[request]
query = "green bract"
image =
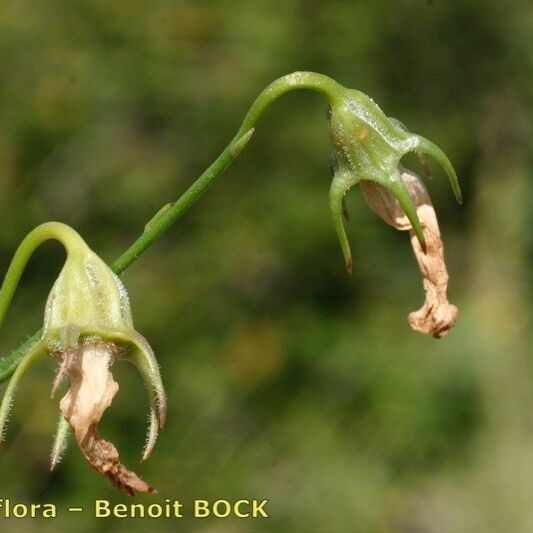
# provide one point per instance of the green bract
(87, 304)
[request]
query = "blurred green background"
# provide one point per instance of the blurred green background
(286, 379)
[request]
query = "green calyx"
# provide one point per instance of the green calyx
(369, 146)
(86, 297)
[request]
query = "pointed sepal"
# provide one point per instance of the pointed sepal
(397, 187)
(34, 353)
(427, 147)
(60, 442)
(142, 356)
(342, 181)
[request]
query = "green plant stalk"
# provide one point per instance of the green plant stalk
(170, 213)
(167, 215)
(51, 230)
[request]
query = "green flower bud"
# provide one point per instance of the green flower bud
(87, 326)
(369, 146)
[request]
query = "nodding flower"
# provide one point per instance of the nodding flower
(87, 327)
(368, 147)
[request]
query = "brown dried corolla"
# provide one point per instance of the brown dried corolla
(437, 315)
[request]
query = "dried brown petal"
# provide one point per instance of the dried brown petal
(91, 392)
(67, 359)
(437, 315)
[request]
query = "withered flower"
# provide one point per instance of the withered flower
(368, 147)
(87, 327)
(437, 315)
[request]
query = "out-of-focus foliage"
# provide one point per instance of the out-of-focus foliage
(286, 379)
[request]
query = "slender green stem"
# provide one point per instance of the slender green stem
(9, 364)
(166, 216)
